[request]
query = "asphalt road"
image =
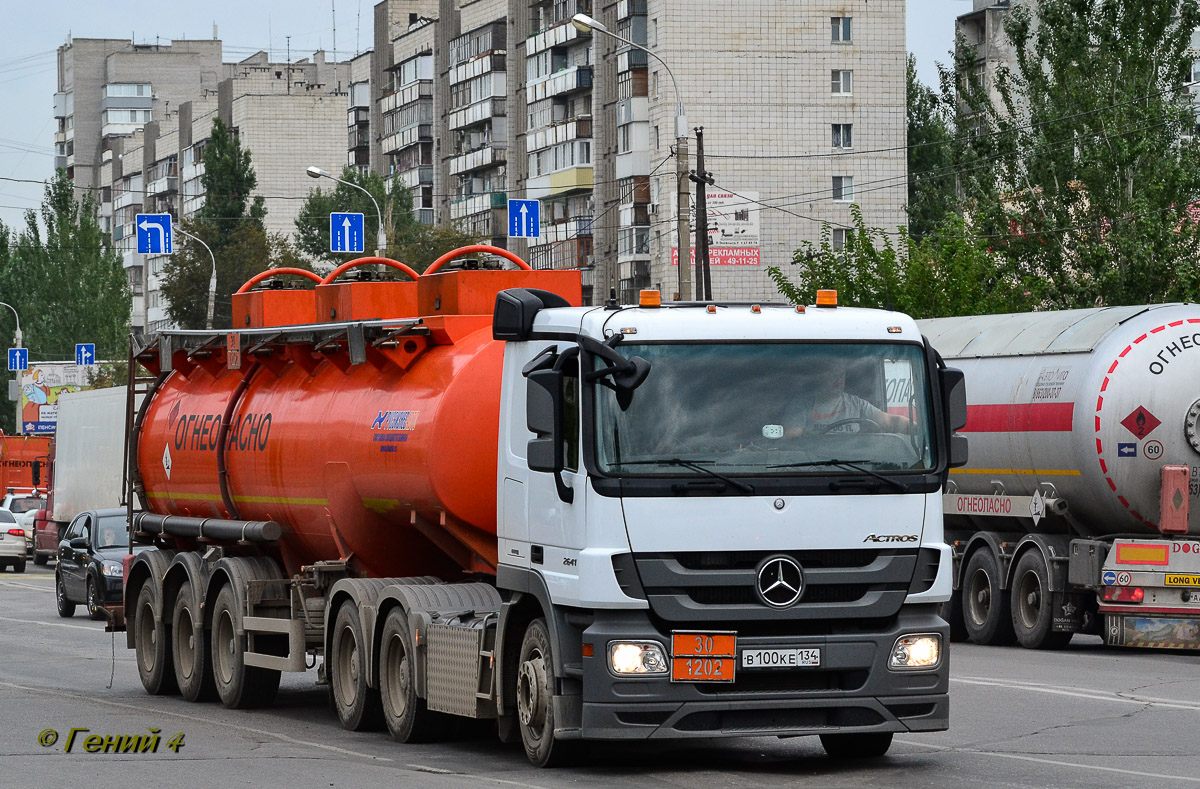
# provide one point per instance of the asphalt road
(1087, 716)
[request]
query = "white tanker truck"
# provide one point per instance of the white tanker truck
(1077, 510)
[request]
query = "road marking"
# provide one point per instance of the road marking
(50, 624)
(1081, 693)
(1056, 762)
(23, 585)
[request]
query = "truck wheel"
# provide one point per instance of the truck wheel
(1033, 604)
(867, 745)
(65, 607)
(358, 705)
(407, 716)
(189, 649)
(152, 645)
(239, 686)
(19, 565)
(40, 559)
(952, 612)
(985, 605)
(535, 700)
(94, 606)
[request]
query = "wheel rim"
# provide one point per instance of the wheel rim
(146, 637)
(533, 692)
(58, 591)
(396, 691)
(93, 600)
(185, 643)
(347, 666)
(223, 647)
(979, 597)
(1029, 599)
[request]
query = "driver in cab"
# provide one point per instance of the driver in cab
(826, 406)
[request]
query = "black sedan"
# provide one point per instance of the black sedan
(90, 562)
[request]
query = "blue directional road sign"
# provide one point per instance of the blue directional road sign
(153, 234)
(346, 233)
(524, 219)
(85, 353)
(18, 359)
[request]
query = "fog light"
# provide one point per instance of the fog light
(916, 651)
(637, 657)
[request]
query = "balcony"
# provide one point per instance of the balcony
(415, 91)
(415, 177)
(575, 227)
(477, 68)
(628, 8)
(571, 254)
(551, 37)
(166, 185)
(565, 81)
(477, 204)
(580, 128)
(476, 113)
(484, 157)
(572, 179)
(410, 136)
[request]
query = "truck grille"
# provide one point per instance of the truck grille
(709, 586)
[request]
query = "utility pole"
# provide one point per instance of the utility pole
(703, 180)
(685, 248)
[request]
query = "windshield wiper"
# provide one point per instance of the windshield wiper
(694, 465)
(850, 464)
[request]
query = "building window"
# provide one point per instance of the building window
(843, 135)
(839, 239)
(841, 29)
(842, 81)
(843, 188)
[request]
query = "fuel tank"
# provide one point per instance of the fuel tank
(1087, 405)
(379, 450)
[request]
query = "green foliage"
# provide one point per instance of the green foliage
(65, 284)
(231, 223)
(948, 273)
(1092, 177)
(931, 185)
(409, 241)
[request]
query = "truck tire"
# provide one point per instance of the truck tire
(40, 559)
(952, 612)
(239, 686)
(152, 645)
(19, 565)
(865, 745)
(189, 648)
(357, 703)
(535, 700)
(94, 606)
(985, 605)
(407, 716)
(65, 607)
(1032, 604)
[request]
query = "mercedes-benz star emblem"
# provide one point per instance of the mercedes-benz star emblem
(780, 581)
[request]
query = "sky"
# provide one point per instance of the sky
(32, 32)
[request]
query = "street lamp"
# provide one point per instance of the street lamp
(381, 236)
(16, 373)
(585, 24)
(212, 280)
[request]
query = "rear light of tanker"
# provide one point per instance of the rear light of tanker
(1124, 594)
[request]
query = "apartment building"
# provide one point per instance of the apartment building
(802, 105)
(134, 121)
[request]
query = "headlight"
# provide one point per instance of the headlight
(637, 657)
(112, 570)
(916, 652)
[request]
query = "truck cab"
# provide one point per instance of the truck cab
(734, 511)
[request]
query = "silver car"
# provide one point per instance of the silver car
(12, 542)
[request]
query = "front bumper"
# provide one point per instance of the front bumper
(852, 691)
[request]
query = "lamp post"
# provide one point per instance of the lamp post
(380, 236)
(212, 280)
(16, 373)
(586, 24)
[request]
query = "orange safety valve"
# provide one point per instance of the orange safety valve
(650, 298)
(826, 298)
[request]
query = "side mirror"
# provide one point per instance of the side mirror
(79, 543)
(958, 451)
(954, 398)
(37, 473)
(543, 416)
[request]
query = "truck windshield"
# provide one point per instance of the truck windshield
(769, 409)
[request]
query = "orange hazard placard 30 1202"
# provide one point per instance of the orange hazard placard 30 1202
(703, 657)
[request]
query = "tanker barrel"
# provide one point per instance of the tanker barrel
(208, 528)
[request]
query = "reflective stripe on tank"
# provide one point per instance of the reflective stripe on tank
(244, 499)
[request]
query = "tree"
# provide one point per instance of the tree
(1095, 166)
(947, 273)
(65, 284)
(409, 241)
(231, 223)
(931, 184)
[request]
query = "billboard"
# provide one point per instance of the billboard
(41, 386)
(733, 229)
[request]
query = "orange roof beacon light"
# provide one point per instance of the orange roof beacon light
(826, 298)
(650, 298)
